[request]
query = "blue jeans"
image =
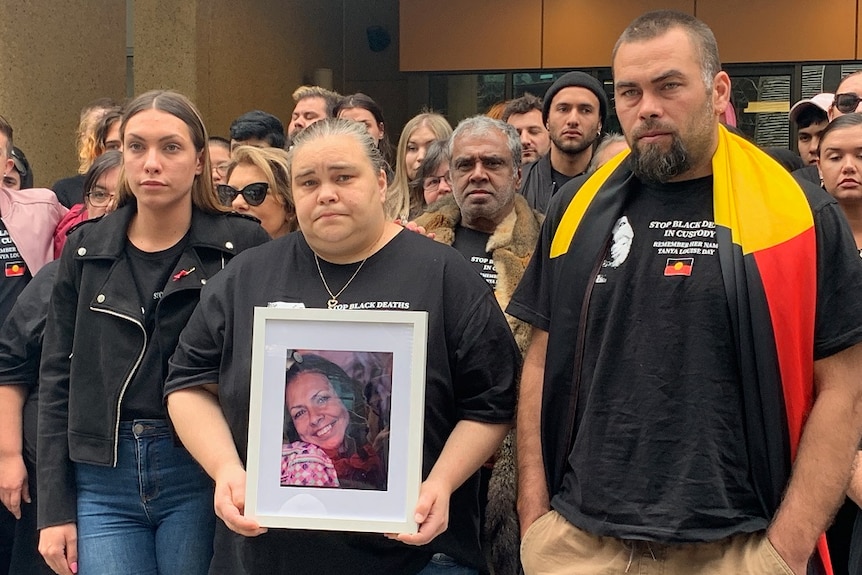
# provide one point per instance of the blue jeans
(442, 564)
(151, 514)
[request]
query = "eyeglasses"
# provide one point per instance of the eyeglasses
(99, 199)
(254, 194)
(433, 182)
(846, 103)
(221, 169)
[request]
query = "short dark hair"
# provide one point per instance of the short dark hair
(107, 161)
(522, 105)
(6, 130)
(658, 22)
(259, 125)
(810, 115)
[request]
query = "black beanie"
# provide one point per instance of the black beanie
(578, 80)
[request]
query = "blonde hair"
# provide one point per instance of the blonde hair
(331, 98)
(273, 162)
(400, 202)
(86, 138)
(179, 106)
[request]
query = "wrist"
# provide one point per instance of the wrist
(789, 552)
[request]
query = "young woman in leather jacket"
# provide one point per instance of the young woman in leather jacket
(119, 495)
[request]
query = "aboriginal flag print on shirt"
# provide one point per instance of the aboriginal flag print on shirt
(15, 269)
(678, 266)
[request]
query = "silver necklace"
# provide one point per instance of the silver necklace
(333, 298)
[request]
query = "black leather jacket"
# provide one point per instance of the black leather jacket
(95, 340)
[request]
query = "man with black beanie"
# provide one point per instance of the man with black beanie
(574, 111)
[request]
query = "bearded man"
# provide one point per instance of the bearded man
(690, 400)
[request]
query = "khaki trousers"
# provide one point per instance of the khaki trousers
(553, 546)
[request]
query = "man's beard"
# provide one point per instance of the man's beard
(573, 148)
(651, 163)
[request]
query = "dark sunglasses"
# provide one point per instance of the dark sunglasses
(254, 194)
(846, 103)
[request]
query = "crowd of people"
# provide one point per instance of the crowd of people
(643, 349)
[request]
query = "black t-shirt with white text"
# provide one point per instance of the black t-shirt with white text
(657, 410)
(659, 342)
(471, 367)
(471, 244)
(15, 273)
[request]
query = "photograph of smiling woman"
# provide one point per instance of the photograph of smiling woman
(327, 438)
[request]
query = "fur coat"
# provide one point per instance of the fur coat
(511, 246)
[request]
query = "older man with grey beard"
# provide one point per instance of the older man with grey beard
(496, 231)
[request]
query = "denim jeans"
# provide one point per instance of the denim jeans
(152, 514)
(442, 564)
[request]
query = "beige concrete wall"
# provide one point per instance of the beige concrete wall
(255, 57)
(376, 73)
(165, 45)
(55, 57)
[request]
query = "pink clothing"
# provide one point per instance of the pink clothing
(306, 465)
(31, 216)
(75, 216)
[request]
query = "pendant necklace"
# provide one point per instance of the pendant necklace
(333, 298)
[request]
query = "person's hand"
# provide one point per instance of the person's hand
(13, 483)
(230, 502)
(531, 508)
(432, 515)
(59, 546)
(413, 227)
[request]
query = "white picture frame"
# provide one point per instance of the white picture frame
(280, 337)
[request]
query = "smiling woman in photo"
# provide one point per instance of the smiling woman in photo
(326, 421)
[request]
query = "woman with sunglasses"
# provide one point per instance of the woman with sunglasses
(257, 185)
(847, 97)
(117, 493)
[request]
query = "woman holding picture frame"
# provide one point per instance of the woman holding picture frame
(349, 255)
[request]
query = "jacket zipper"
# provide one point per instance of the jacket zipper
(129, 377)
(579, 350)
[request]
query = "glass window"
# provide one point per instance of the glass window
(459, 96)
(819, 78)
(536, 83)
(761, 96)
(761, 103)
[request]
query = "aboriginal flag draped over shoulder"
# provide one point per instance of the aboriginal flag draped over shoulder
(768, 258)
